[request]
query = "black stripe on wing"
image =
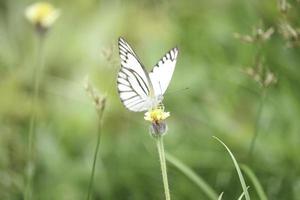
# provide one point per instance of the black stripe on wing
(126, 53)
(132, 99)
(133, 81)
(170, 55)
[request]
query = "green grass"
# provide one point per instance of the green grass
(221, 100)
(239, 172)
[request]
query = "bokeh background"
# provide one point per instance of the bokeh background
(221, 99)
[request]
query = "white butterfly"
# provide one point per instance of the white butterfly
(139, 90)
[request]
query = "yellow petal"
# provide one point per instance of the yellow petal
(42, 13)
(156, 115)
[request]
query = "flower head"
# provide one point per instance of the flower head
(156, 115)
(157, 118)
(42, 15)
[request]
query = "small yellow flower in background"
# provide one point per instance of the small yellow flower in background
(42, 15)
(156, 115)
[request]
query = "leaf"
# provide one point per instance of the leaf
(198, 180)
(259, 189)
(242, 195)
(242, 180)
(221, 195)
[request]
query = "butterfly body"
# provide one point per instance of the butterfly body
(139, 90)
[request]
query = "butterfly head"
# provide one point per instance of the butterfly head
(156, 102)
(160, 98)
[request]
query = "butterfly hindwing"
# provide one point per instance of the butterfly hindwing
(132, 82)
(162, 72)
(138, 90)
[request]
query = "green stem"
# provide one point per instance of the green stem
(100, 114)
(256, 126)
(236, 165)
(259, 189)
(188, 172)
(162, 159)
(32, 127)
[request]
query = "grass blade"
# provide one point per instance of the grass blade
(259, 189)
(242, 180)
(192, 176)
(242, 195)
(221, 195)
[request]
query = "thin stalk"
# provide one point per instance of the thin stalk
(99, 131)
(188, 172)
(162, 159)
(259, 189)
(236, 165)
(257, 120)
(32, 127)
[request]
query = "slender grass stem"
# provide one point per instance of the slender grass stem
(32, 127)
(162, 159)
(257, 121)
(236, 165)
(188, 172)
(258, 187)
(99, 133)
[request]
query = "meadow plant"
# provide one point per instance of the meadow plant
(142, 91)
(258, 72)
(42, 16)
(239, 172)
(286, 27)
(100, 103)
(259, 189)
(108, 53)
(195, 178)
(158, 129)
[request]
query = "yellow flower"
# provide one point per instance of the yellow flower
(42, 14)
(156, 115)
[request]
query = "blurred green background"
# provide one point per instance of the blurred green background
(221, 100)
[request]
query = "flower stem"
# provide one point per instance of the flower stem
(195, 178)
(32, 127)
(256, 126)
(100, 115)
(162, 159)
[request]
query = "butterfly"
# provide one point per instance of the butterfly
(139, 90)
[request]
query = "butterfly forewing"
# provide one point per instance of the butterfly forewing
(138, 90)
(133, 82)
(162, 72)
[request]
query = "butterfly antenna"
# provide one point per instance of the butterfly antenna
(179, 90)
(160, 87)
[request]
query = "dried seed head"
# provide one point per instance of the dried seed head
(260, 74)
(270, 79)
(290, 34)
(243, 38)
(108, 54)
(98, 100)
(258, 35)
(283, 6)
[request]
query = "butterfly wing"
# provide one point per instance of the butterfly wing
(133, 82)
(162, 72)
